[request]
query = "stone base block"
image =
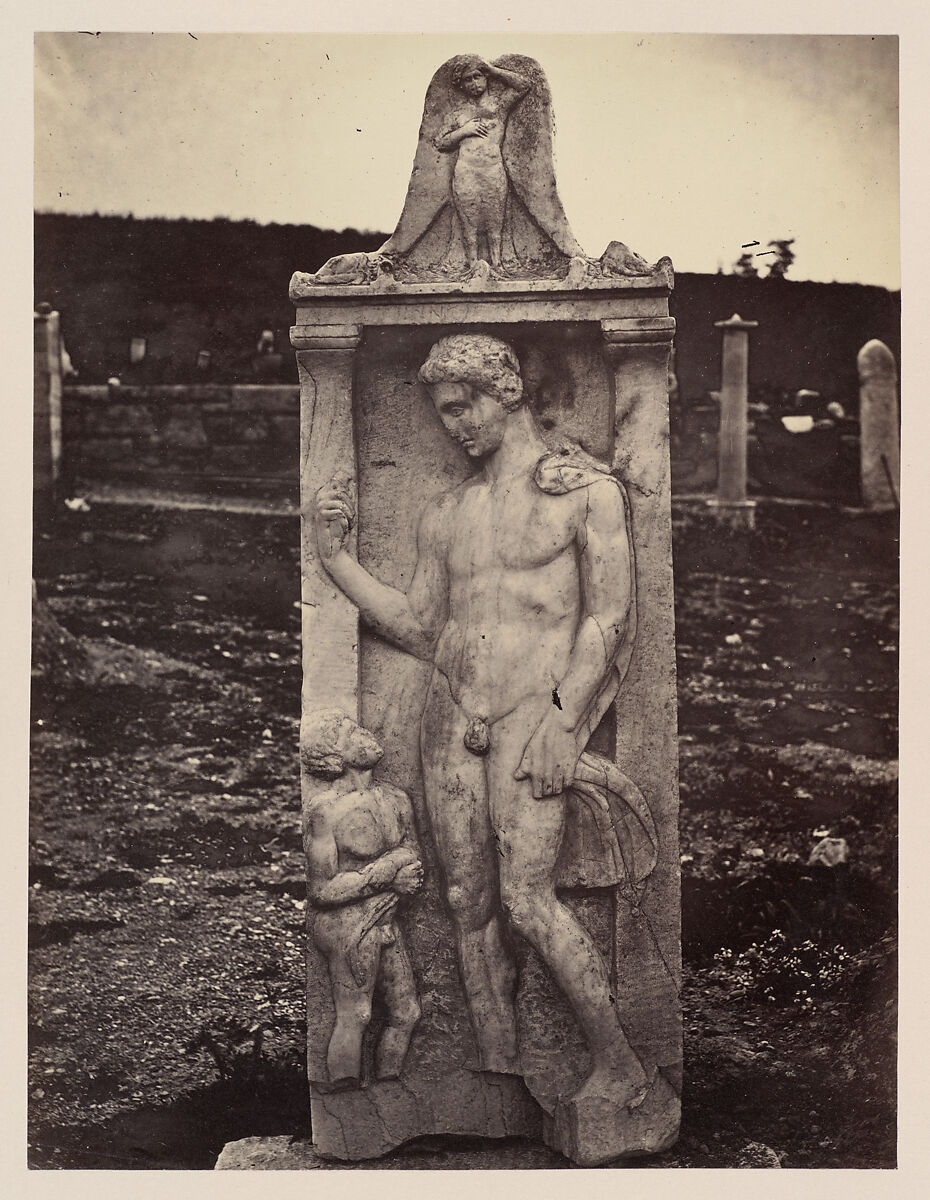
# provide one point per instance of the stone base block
(428, 1154)
(597, 1130)
(269, 1154)
(738, 514)
(369, 1122)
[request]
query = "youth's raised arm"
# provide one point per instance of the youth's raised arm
(428, 593)
(388, 611)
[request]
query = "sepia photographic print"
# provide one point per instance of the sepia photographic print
(464, 701)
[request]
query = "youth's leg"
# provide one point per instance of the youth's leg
(455, 789)
(530, 834)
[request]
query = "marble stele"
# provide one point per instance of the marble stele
(488, 738)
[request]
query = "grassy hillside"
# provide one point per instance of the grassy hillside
(183, 285)
(215, 285)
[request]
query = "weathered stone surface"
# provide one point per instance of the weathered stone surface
(879, 434)
(252, 398)
(757, 1154)
(281, 1153)
(363, 860)
(495, 508)
(285, 1153)
(183, 438)
(252, 428)
(468, 301)
(483, 182)
(618, 259)
(47, 385)
(597, 1130)
(370, 1122)
(116, 420)
(111, 450)
(183, 430)
(72, 421)
(482, 204)
(571, 387)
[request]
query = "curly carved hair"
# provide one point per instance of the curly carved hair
(479, 360)
(464, 62)
(318, 743)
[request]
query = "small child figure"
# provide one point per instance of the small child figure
(363, 856)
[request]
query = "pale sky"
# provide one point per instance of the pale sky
(688, 145)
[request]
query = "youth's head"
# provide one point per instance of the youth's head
(332, 742)
(468, 75)
(474, 381)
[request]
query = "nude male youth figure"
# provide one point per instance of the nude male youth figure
(519, 595)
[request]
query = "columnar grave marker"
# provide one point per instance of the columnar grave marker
(731, 503)
(488, 737)
(47, 373)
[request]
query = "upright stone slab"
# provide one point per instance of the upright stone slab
(879, 430)
(488, 742)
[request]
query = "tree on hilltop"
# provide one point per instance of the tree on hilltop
(780, 257)
(784, 257)
(745, 267)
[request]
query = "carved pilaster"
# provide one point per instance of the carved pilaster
(326, 362)
(637, 352)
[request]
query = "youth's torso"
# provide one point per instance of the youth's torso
(514, 594)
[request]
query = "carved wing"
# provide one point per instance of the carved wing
(430, 187)
(528, 156)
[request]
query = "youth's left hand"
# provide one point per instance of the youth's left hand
(550, 758)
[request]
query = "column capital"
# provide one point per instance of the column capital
(326, 337)
(627, 331)
(736, 322)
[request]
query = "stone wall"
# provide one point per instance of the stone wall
(820, 465)
(215, 438)
(243, 440)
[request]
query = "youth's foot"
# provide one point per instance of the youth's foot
(601, 1123)
(618, 1076)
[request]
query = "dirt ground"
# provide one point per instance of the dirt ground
(167, 882)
